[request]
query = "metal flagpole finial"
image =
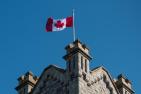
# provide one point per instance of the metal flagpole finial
(73, 26)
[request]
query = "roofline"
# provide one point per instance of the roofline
(101, 67)
(54, 66)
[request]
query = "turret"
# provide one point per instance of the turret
(124, 85)
(77, 58)
(26, 83)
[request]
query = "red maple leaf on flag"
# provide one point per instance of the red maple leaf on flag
(59, 24)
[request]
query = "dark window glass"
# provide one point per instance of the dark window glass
(74, 62)
(69, 66)
(81, 62)
(85, 65)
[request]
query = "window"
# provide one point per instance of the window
(81, 62)
(69, 66)
(74, 62)
(85, 65)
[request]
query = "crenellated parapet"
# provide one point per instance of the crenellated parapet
(124, 85)
(26, 83)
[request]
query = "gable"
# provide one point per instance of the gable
(105, 83)
(51, 74)
(53, 80)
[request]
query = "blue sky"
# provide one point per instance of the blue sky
(110, 28)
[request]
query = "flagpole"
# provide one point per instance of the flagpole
(73, 26)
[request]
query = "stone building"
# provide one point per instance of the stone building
(77, 78)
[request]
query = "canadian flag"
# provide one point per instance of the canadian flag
(58, 24)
